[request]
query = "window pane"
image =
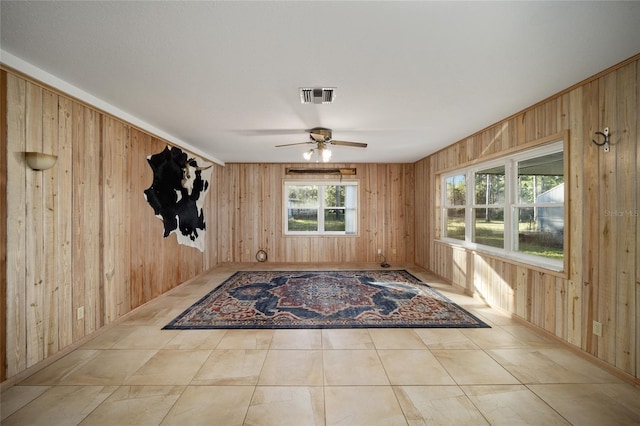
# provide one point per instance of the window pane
(489, 185)
(541, 231)
(303, 196)
(488, 227)
(455, 187)
(334, 220)
(302, 210)
(455, 223)
(351, 212)
(334, 196)
(540, 175)
(303, 220)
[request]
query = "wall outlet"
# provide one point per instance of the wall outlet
(597, 328)
(379, 252)
(80, 313)
(393, 251)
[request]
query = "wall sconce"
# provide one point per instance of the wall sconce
(605, 134)
(40, 160)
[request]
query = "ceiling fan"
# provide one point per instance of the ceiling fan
(322, 137)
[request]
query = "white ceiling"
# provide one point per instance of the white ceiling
(411, 77)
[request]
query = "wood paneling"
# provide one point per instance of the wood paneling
(64, 253)
(34, 231)
(250, 215)
(603, 278)
(637, 262)
(79, 236)
(49, 235)
(116, 226)
(3, 225)
(16, 216)
(85, 217)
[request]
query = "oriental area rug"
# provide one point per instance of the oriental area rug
(324, 299)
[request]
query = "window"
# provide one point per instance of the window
(513, 206)
(455, 201)
(539, 210)
(488, 207)
(326, 208)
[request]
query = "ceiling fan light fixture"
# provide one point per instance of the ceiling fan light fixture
(326, 155)
(307, 154)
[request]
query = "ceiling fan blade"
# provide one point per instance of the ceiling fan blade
(345, 143)
(291, 144)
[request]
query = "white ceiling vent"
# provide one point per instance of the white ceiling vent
(317, 95)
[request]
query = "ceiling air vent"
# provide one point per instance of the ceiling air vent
(317, 95)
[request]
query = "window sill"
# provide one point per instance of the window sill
(553, 268)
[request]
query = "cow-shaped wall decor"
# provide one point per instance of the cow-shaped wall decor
(177, 193)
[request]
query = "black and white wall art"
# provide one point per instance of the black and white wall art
(180, 184)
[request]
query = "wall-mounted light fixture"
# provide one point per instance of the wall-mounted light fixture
(605, 134)
(40, 160)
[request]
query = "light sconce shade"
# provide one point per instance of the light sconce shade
(326, 155)
(40, 160)
(323, 153)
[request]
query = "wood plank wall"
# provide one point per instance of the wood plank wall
(3, 225)
(603, 280)
(250, 215)
(79, 235)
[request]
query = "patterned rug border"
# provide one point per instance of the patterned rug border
(221, 288)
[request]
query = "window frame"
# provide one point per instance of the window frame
(446, 205)
(510, 205)
(321, 207)
(472, 203)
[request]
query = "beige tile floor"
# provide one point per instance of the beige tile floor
(135, 373)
